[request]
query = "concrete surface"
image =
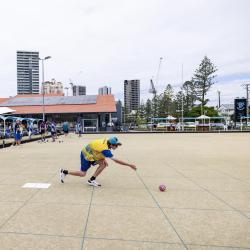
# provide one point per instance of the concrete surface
(206, 204)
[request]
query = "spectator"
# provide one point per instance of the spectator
(7, 132)
(21, 130)
(225, 126)
(30, 129)
(178, 126)
(42, 131)
(79, 129)
(53, 131)
(65, 128)
(48, 125)
(17, 133)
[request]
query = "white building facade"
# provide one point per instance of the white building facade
(52, 87)
(226, 110)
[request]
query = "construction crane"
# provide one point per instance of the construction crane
(153, 90)
(158, 71)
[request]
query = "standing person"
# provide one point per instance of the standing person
(79, 129)
(42, 131)
(48, 126)
(53, 131)
(21, 130)
(7, 131)
(30, 129)
(76, 129)
(94, 154)
(17, 133)
(65, 128)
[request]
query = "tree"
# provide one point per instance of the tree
(165, 106)
(162, 105)
(148, 109)
(168, 98)
(209, 111)
(178, 104)
(203, 79)
(189, 98)
(141, 115)
(155, 106)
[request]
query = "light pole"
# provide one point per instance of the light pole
(182, 101)
(247, 85)
(218, 98)
(42, 59)
(182, 110)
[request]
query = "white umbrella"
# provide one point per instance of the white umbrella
(203, 117)
(5, 110)
(171, 118)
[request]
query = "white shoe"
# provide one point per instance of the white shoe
(96, 183)
(93, 183)
(62, 175)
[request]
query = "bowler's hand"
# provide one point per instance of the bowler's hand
(133, 167)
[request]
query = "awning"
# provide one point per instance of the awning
(5, 110)
(203, 117)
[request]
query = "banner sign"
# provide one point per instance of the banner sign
(240, 108)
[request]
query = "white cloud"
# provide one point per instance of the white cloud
(110, 41)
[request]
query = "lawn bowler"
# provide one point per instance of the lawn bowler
(95, 153)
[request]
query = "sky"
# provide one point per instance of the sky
(97, 43)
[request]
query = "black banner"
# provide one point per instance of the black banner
(240, 108)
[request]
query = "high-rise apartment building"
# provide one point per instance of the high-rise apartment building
(131, 95)
(52, 87)
(79, 90)
(27, 72)
(104, 91)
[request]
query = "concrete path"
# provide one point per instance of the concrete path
(206, 204)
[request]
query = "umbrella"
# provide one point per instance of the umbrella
(5, 110)
(203, 117)
(171, 118)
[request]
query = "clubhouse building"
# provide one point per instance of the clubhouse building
(95, 112)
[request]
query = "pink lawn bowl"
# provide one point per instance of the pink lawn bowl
(162, 188)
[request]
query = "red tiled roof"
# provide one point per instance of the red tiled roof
(3, 99)
(104, 103)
